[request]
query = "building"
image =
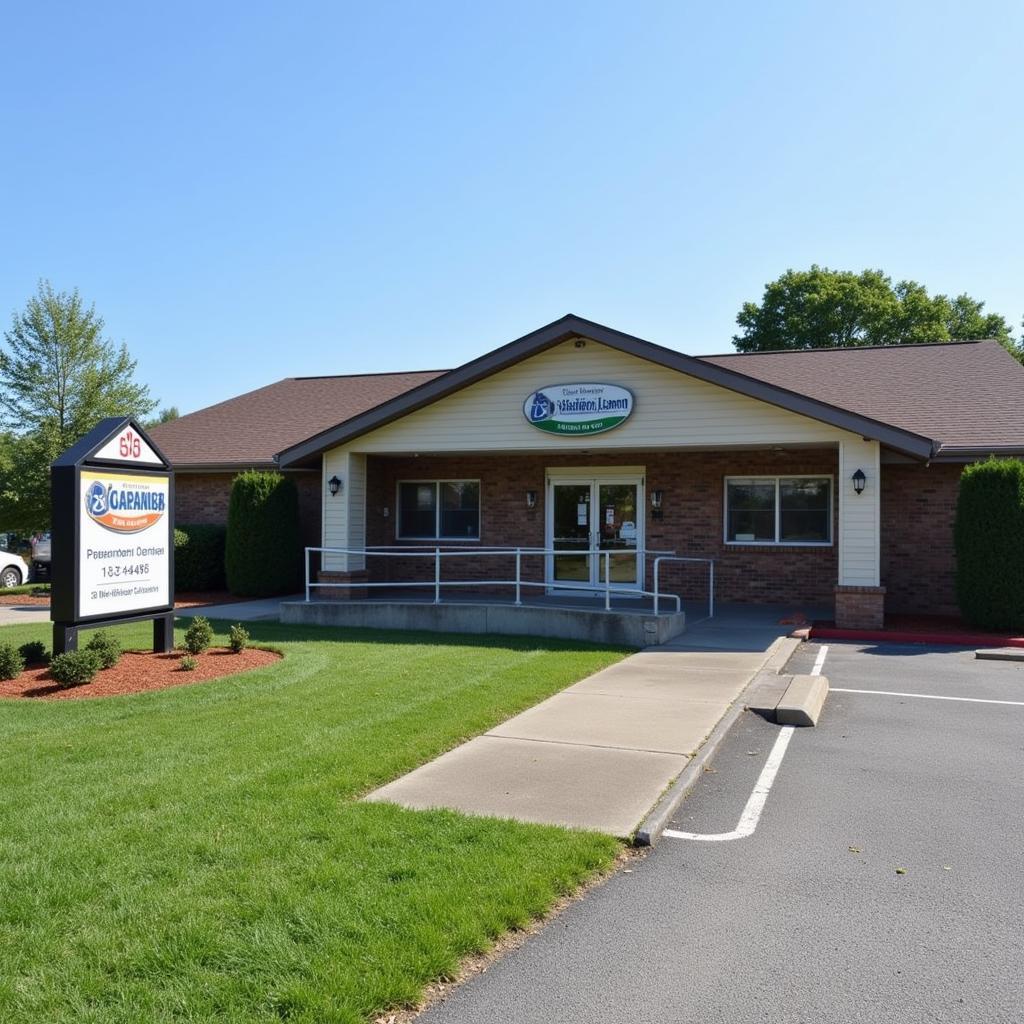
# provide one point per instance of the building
(813, 477)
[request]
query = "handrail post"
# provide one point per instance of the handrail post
(307, 575)
(656, 567)
(437, 575)
(607, 582)
(519, 585)
(711, 588)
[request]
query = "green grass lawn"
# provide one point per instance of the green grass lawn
(198, 854)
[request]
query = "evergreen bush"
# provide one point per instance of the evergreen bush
(263, 556)
(34, 652)
(11, 662)
(238, 638)
(989, 538)
(198, 636)
(106, 646)
(75, 668)
(199, 557)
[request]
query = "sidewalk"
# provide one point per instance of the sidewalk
(597, 755)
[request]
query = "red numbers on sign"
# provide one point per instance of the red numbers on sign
(131, 446)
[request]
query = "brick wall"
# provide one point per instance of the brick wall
(917, 560)
(692, 522)
(204, 497)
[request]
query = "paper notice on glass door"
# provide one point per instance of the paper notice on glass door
(581, 514)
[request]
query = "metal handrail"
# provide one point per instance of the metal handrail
(438, 553)
(680, 558)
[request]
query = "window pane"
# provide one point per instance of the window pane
(805, 509)
(460, 509)
(750, 514)
(417, 510)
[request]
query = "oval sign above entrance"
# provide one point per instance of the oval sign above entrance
(578, 409)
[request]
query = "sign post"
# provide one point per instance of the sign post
(112, 558)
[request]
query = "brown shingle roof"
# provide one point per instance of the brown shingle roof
(963, 395)
(967, 394)
(250, 429)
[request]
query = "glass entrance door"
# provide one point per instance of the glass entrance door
(595, 514)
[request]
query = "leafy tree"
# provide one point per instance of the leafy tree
(823, 308)
(165, 415)
(58, 378)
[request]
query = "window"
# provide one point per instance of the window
(778, 510)
(439, 510)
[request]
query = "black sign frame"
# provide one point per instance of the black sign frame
(66, 537)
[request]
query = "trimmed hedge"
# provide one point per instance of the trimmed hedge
(989, 538)
(263, 556)
(199, 557)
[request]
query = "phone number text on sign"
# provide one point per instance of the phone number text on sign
(125, 543)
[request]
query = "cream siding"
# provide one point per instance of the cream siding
(859, 514)
(345, 513)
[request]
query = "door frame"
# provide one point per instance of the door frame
(594, 477)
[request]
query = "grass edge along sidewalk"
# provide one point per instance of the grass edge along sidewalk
(199, 852)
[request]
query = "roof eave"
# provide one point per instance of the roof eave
(974, 452)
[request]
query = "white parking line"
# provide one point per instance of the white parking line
(819, 661)
(929, 696)
(755, 805)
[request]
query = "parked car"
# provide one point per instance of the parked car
(41, 556)
(13, 569)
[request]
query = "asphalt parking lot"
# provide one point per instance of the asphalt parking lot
(884, 881)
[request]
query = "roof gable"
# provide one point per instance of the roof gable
(570, 327)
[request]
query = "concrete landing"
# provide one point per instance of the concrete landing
(618, 626)
(597, 755)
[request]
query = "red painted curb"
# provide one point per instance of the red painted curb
(895, 636)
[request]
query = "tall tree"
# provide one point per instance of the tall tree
(58, 378)
(165, 415)
(823, 308)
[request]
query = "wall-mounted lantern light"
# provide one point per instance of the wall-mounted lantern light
(531, 499)
(656, 498)
(859, 481)
(334, 485)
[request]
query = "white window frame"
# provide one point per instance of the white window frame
(777, 478)
(437, 508)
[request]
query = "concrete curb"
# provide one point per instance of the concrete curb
(999, 654)
(658, 818)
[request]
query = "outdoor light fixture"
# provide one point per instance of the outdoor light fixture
(531, 499)
(859, 480)
(656, 497)
(335, 485)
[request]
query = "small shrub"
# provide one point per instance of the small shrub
(75, 668)
(34, 653)
(11, 662)
(199, 557)
(106, 646)
(199, 635)
(238, 639)
(188, 663)
(263, 556)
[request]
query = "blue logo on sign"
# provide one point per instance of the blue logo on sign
(541, 407)
(96, 503)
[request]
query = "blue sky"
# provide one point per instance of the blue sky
(252, 191)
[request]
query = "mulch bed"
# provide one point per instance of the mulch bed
(138, 671)
(24, 599)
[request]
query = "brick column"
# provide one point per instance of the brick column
(860, 607)
(341, 593)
